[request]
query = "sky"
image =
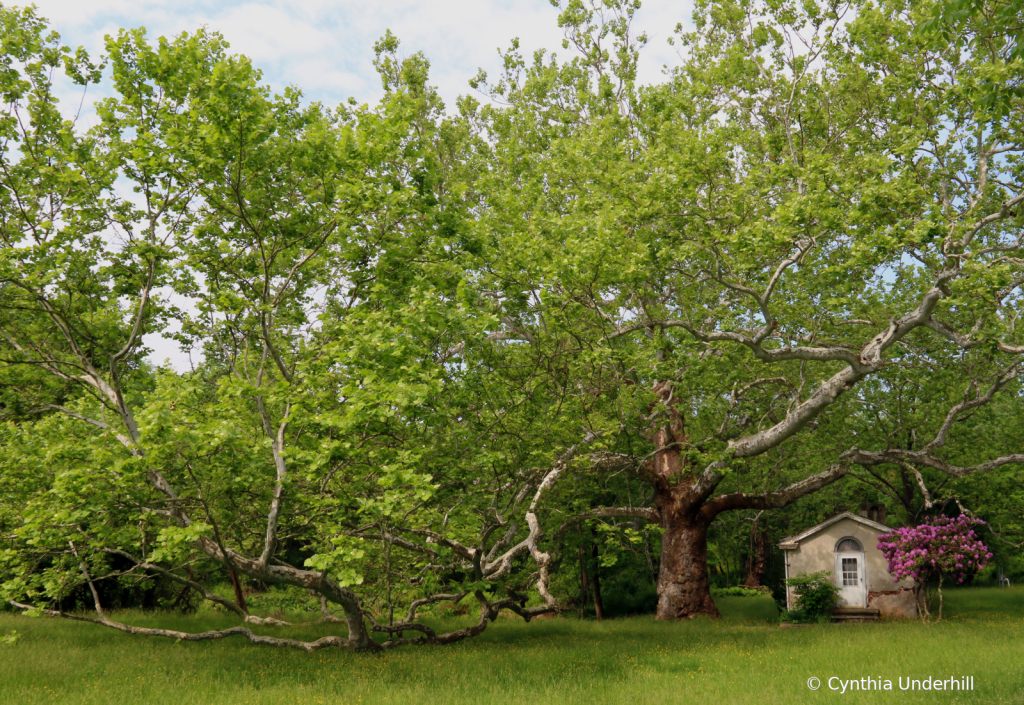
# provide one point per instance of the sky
(325, 47)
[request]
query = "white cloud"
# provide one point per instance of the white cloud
(326, 46)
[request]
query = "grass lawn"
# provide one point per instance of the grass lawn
(743, 658)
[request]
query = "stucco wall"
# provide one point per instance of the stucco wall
(817, 552)
(898, 603)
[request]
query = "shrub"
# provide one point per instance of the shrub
(816, 596)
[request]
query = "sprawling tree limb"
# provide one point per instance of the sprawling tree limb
(460, 634)
(530, 543)
(650, 514)
(869, 360)
(515, 333)
(505, 540)
(965, 341)
(967, 404)
(399, 627)
(462, 550)
(708, 480)
(487, 613)
(923, 458)
(762, 300)
(48, 363)
(1006, 210)
(207, 595)
(440, 597)
(397, 541)
(819, 354)
(647, 513)
(928, 503)
(281, 470)
(88, 579)
(91, 376)
(140, 315)
(861, 364)
(325, 612)
(309, 646)
(124, 440)
(306, 579)
(515, 605)
(773, 500)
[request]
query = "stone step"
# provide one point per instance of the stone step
(854, 614)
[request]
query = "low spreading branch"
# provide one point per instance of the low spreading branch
(308, 646)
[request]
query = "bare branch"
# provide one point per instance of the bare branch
(968, 404)
(648, 513)
(133, 337)
(308, 646)
(830, 354)
(897, 456)
(281, 469)
(125, 441)
(774, 500)
(965, 342)
(1006, 210)
(88, 579)
(497, 335)
(869, 361)
(440, 597)
(207, 595)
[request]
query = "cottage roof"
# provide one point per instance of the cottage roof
(792, 541)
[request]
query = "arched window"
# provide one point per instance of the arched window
(848, 545)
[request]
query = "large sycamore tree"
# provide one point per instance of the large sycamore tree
(797, 259)
(432, 347)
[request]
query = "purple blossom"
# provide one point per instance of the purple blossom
(940, 546)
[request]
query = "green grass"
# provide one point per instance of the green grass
(742, 658)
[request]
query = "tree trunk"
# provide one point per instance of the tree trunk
(239, 597)
(756, 558)
(584, 583)
(923, 598)
(683, 587)
(685, 504)
(596, 581)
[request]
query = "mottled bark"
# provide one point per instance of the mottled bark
(683, 587)
(685, 507)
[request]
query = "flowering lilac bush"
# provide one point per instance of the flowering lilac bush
(940, 548)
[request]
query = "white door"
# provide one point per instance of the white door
(850, 579)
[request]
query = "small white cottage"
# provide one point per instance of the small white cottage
(847, 546)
